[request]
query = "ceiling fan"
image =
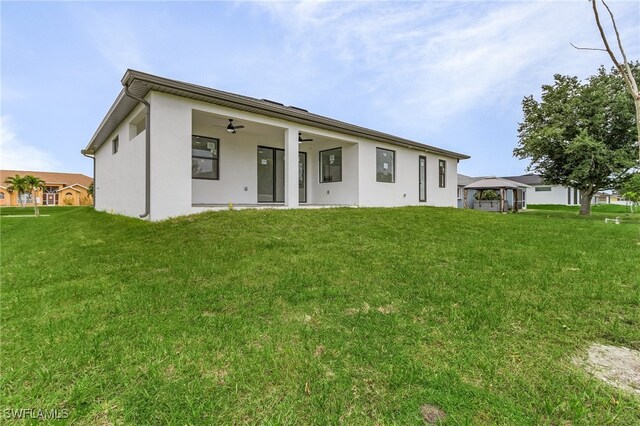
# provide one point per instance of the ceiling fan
(303, 140)
(231, 128)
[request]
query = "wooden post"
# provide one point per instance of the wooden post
(515, 201)
(464, 199)
(502, 201)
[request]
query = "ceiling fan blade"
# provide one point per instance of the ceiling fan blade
(238, 127)
(303, 140)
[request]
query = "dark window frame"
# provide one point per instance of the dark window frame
(274, 184)
(304, 177)
(422, 199)
(442, 173)
(393, 175)
(115, 145)
(542, 189)
(321, 174)
(216, 160)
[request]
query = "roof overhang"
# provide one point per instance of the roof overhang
(496, 183)
(140, 84)
(73, 187)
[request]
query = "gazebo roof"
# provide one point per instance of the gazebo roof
(496, 183)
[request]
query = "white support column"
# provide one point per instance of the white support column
(291, 167)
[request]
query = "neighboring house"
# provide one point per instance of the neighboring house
(542, 193)
(609, 198)
(61, 189)
(201, 149)
(499, 183)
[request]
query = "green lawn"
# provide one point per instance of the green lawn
(610, 209)
(354, 316)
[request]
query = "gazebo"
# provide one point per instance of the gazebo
(495, 184)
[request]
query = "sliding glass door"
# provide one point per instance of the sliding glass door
(302, 177)
(270, 175)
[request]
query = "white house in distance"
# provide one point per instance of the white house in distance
(541, 193)
(168, 148)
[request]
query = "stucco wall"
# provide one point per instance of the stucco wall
(5, 199)
(120, 177)
(238, 166)
(557, 195)
(119, 180)
(332, 193)
(404, 191)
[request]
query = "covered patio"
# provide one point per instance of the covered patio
(268, 165)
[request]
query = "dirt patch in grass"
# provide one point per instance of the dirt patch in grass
(617, 366)
(432, 414)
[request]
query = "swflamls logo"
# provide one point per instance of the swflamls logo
(35, 413)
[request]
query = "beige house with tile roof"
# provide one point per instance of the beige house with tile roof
(61, 189)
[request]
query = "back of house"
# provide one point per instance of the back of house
(168, 148)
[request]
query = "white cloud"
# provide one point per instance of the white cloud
(18, 155)
(433, 62)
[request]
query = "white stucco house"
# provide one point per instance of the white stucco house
(168, 148)
(542, 193)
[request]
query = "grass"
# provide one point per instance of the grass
(355, 316)
(596, 209)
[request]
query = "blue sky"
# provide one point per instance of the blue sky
(450, 74)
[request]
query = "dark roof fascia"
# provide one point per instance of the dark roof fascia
(161, 84)
(122, 102)
(528, 179)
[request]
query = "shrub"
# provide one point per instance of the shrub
(487, 195)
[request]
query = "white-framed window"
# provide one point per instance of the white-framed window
(331, 165)
(385, 165)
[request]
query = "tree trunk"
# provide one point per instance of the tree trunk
(35, 203)
(637, 104)
(585, 202)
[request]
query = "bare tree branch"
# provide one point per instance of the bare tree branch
(622, 52)
(621, 68)
(587, 48)
(624, 68)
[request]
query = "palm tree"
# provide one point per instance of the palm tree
(34, 184)
(19, 184)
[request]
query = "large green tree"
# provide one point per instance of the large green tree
(630, 190)
(580, 134)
